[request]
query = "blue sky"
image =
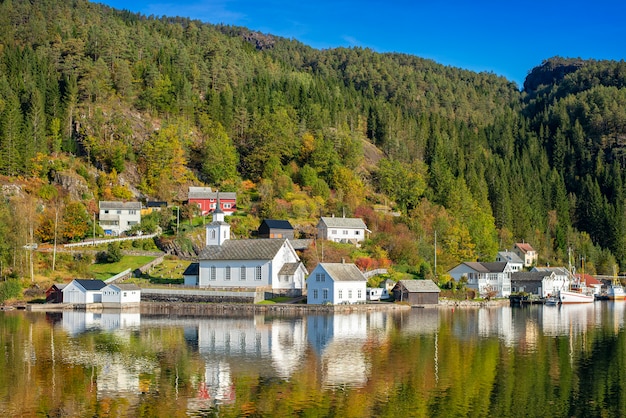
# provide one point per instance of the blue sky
(507, 37)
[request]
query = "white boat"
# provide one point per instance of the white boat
(574, 296)
(578, 291)
(616, 292)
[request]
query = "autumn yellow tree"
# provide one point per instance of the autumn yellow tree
(162, 160)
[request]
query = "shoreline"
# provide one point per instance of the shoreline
(232, 308)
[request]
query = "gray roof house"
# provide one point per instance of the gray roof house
(115, 218)
(513, 259)
(336, 283)
(346, 230)
(487, 278)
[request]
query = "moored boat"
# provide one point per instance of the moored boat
(616, 292)
(573, 296)
(552, 301)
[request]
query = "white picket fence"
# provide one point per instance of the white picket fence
(107, 240)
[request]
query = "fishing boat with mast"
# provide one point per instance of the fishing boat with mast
(616, 290)
(578, 292)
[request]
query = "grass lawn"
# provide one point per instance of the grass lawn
(170, 271)
(104, 271)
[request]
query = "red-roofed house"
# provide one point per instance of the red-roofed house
(590, 282)
(526, 252)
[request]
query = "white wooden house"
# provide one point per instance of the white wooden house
(347, 230)
(336, 283)
(121, 295)
(559, 279)
(485, 277)
(115, 218)
(83, 291)
(516, 263)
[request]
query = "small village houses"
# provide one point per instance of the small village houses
(516, 263)
(555, 280)
(83, 291)
(115, 218)
(539, 283)
(336, 283)
(346, 230)
(485, 278)
(526, 253)
(208, 200)
(121, 295)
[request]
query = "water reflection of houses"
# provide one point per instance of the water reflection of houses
(418, 321)
(77, 322)
(497, 322)
(244, 343)
(568, 319)
(339, 342)
(116, 373)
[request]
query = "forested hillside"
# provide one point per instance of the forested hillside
(99, 104)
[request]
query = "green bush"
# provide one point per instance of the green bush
(10, 289)
(112, 255)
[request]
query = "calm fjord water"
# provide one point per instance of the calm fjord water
(532, 361)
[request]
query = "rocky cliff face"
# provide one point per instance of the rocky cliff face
(75, 185)
(186, 247)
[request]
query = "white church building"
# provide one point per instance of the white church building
(224, 263)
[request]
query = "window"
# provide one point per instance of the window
(257, 275)
(325, 294)
(359, 294)
(349, 294)
(213, 234)
(119, 212)
(345, 232)
(340, 294)
(357, 232)
(242, 273)
(212, 270)
(333, 232)
(227, 273)
(320, 277)
(132, 212)
(106, 211)
(315, 294)
(227, 205)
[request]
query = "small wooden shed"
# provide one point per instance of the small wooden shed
(275, 228)
(416, 292)
(54, 294)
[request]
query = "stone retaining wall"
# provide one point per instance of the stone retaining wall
(247, 308)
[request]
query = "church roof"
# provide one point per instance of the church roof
(243, 249)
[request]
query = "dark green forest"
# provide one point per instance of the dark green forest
(140, 106)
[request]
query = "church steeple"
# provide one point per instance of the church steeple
(217, 231)
(218, 214)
